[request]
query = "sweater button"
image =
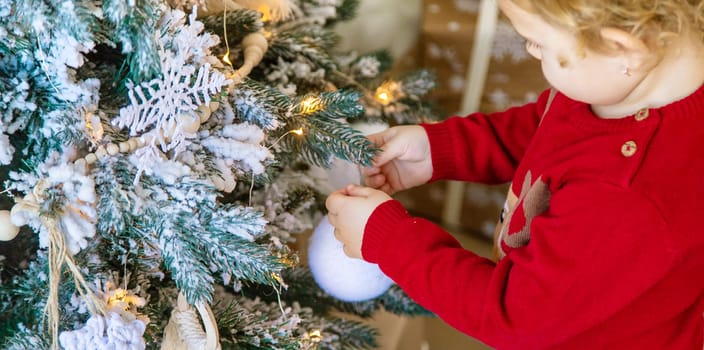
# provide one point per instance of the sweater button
(629, 148)
(642, 114)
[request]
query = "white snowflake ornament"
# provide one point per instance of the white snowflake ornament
(110, 332)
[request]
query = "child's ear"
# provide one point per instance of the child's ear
(635, 51)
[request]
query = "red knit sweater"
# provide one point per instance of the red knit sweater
(604, 247)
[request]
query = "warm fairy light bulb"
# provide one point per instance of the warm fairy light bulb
(387, 92)
(311, 104)
(298, 132)
(316, 336)
(121, 298)
(265, 11)
(383, 97)
(95, 128)
(226, 58)
(118, 297)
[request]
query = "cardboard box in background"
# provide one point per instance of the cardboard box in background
(514, 78)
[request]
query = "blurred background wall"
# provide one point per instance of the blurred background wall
(393, 25)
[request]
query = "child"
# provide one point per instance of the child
(603, 246)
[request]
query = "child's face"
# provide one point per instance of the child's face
(591, 77)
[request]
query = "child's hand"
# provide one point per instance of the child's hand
(348, 211)
(404, 161)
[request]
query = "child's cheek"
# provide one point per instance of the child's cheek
(556, 69)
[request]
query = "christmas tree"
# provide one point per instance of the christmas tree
(158, 161)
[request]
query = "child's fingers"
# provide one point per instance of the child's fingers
(388, 153)
(334, 202)
(359, 191)
(389, 149)
(381, 137)
(375, 181)
(371, 170)
(386, 187)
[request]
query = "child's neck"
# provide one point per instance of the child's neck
(677, 75)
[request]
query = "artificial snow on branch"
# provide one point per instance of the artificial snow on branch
(130, 146)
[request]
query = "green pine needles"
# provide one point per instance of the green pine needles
(123, 129)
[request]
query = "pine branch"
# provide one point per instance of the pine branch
(198, 241)
(29, 286)
(324, 137)
(132, 28)
(26, 338)
(259, 104)
(348, 334)
(169, 230)
(238, 22)
(182, 259)
(347, 10)
(240, 329)
(303, 289)
(115, 206)
(290, 46)
(315, 36)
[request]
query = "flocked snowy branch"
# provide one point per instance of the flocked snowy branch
(122, 123)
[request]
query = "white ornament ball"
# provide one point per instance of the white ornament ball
(342, 277)
(8, 230)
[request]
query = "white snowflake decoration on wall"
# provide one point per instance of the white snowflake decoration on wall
(508, 44)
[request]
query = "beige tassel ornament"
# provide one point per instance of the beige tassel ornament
(184, 331)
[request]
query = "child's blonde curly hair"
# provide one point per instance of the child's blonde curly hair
(653, 21)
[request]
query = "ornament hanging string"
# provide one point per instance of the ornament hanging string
(58, 257)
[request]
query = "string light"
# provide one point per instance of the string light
(117, 296)
(298, 132)
(383, 97)
(311, 104)
(316, 335)
(388, 92)
(277, 277)
(226, 56)
(121, 298)
(94, 127)
(265, 11)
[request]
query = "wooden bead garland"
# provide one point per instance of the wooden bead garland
(8, 230)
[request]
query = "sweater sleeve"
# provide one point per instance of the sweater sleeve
(483, 148)
(584, 265)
